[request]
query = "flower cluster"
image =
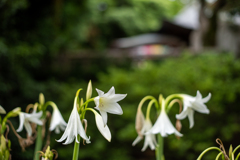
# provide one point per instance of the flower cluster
(36, 115)
(163, 125)
(105, 103)
(30, 120)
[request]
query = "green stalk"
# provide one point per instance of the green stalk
(76, 149)
(206, 150)
(159, 148)
(38, 144)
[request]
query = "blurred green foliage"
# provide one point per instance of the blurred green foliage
(211, 72)
(47, 27)
(33, 33)
(207, 72)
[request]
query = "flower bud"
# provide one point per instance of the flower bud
(89, 90)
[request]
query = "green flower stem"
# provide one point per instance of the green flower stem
(218, 155)
(237, 156)
(173, 96)
(206, 150)
(149, 107)
(38, 144)
(172, 103)
(146, 98)
(76, 149)
(236, 149)
(159, 148)
(49, 103)
(90, 100)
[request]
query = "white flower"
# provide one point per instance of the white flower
(150, 139)
(25, 118)
(163, 125)
(108, 103)
(191, 104)
(74, 127)
(104, 130)
(2, 110)
(57, 121)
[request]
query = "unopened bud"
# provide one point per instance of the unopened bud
(139, 121)
(89, 90)
(2, 110)
(41, 99)
(178, 126)
(48, 155)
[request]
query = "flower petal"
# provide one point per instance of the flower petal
(28, 128)
(110, 92)
(198, 96)
(138, 139)
(163, 126)
(113, 108)
(96, 100)
(118, 97)
(104, 130)
(182, 115)
(35, 120)
(100, 93)
(104, 116)
(190, 117)
(21, 119)
(206, 99)
(200, 107)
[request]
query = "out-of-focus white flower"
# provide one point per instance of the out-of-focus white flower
(74, 127)
(150, 139)
(57, 121)
(25, 118)
(108, 103)
(191, 104)
(163, 125)
(2, 110)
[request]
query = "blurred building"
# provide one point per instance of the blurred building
(185, 30)
(170, 39)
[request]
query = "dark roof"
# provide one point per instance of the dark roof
(169, 28)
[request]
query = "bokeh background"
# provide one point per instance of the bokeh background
(141, 47)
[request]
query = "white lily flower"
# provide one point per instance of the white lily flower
(150, 139)
(191, 104)
(163, 125)
(25, 118)
(57, 121)
(108, 103)
(74, 127)
(2, 110)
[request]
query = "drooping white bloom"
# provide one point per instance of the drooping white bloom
(108, 103)
(150, 139)
(74, 127)
(163, 124)
(191, 104)
(104, 130)
(2, 110)
(25, 118)
(57, 121)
